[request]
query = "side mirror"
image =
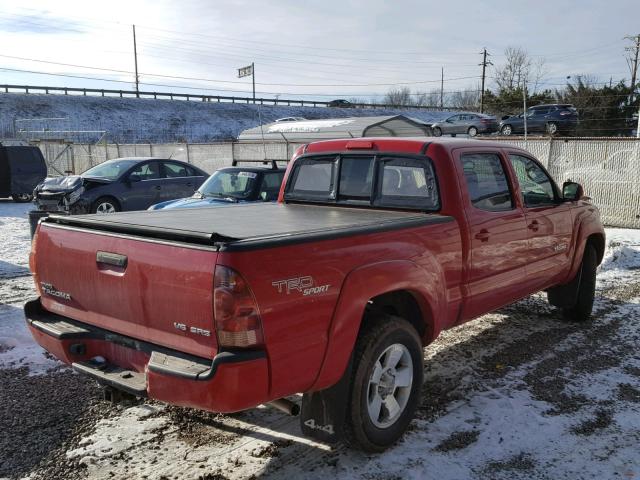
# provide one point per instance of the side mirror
(572, 191)
(504, 117)
(134, 178)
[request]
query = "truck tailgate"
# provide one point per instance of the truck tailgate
(153, 291)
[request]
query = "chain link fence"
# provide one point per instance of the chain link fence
(608, 168)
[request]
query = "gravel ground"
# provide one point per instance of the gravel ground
(518, 394)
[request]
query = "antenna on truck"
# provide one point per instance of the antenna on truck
(264, 145)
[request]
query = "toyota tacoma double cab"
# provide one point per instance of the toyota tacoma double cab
(375, 246)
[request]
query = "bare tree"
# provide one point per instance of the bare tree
(427, 99)
(519, 68)
(468, 99)
(398, 96)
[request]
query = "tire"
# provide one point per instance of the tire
(105, 206)
(22, 197)
(472, 132)
(506, 130)
(437, 132)
(581, 311)
(552, 128)
(387, 344)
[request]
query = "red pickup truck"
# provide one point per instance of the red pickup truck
(375, 246)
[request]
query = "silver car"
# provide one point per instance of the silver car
(470, 123)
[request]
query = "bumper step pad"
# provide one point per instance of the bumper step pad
(129, 381)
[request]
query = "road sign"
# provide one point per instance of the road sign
(245, 71)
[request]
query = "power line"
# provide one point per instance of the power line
(233, 81)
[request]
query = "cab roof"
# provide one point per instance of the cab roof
(414, 145)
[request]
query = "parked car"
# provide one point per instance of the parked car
(341, 103)
(375, 246)
(119, 185)
(22, 167)
(470, 123)
(232, 185)
(290, 119)
(551, 119)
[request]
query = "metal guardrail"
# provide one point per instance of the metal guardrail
(198, 97)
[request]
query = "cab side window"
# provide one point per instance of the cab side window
(487, 182)
(536, 186)
(270, 187)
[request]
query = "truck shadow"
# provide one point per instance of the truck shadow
(11, 270)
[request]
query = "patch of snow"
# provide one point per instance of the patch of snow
(115, 435)
(306, 126)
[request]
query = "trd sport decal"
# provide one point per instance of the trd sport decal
(304, 285)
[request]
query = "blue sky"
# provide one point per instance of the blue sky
(328, 49)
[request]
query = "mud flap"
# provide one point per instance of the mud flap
(565, 296)
(324, 412)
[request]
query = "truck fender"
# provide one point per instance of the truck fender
(425, 282)
(587, 227)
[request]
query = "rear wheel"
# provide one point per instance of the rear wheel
(581, 311)
(506, 130)
(437, 132)
(22, 197)
(472, 132)
(386, 383)
(552, 128)
(105, 205)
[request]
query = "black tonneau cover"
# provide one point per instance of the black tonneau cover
(252, 225)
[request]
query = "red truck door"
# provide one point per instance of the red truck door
(549, 222)
(497, 231)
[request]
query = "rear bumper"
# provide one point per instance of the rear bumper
(230, 382)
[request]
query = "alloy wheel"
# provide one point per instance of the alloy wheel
(390, 385)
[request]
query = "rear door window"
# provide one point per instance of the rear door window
(407, 182)
(175, 170)
(487, 182)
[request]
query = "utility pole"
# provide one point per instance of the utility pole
(633, 61)
(135, 58)
(442, 89)
(484, 68)
(524, 105)
(253, 80)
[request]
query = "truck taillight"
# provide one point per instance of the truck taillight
(32, 258)
(238, 322)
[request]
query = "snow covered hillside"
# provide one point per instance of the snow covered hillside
(141, 120)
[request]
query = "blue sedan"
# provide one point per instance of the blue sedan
(232, 185)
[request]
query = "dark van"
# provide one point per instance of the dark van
(21, 169)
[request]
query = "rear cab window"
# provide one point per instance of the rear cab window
(384, 181)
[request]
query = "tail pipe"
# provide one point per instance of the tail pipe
(286, 406)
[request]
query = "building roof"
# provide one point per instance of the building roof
(349, 127)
